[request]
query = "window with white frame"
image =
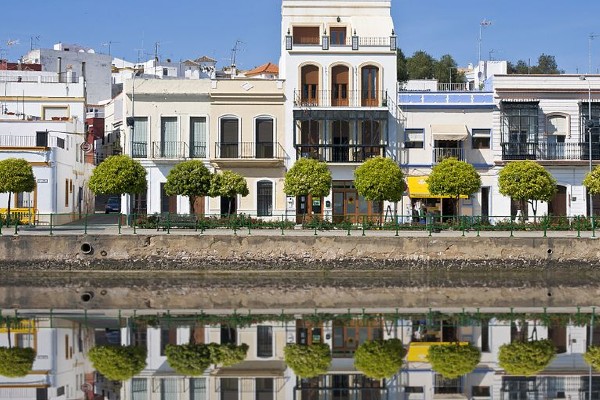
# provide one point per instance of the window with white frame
(197, 389)
(139, 138)
(229, 388)
(264, 138)
(168, 137)
(229, 145)
(414, 138)
(139, 389)
(197, 137)
(264, 341)
(264, 389)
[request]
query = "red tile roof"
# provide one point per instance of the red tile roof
(268, 68)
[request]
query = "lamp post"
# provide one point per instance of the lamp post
(590, 38)
(482, 24)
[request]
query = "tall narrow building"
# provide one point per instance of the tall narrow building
(339, 61)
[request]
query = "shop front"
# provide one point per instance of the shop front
(423, 203)
(349, 206)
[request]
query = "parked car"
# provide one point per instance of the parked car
(113, 205)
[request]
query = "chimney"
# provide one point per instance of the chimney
(58, 67)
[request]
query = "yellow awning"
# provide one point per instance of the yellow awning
(417, 351)
(23, 326)
(449, 132)
(418, 189)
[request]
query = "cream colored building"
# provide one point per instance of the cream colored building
(233, 124)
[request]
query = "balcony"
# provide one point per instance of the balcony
(170, 150)
(340, 153)
(249, 153)
(21, 141)
(139, 149)
(335, 98)
(549, 151)
(440, 153)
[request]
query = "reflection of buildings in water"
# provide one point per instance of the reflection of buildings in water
(61, 343)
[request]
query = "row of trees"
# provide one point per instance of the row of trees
(421, 65)
(121, 174)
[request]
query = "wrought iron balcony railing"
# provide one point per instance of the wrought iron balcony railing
(340, 153)
(249, 150)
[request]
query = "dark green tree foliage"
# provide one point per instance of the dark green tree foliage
(379, 179)
(546, 64)
(308, 177)
(445, 68)
(118, 363)
(16, 176)
(420, 66)
(118, 175)
(189, 359)
(526, 358)
(454, 360)
(189, 178)
(401, 67)
(592, 357)
(453, 178)
(308, 361)
(527, 182)
(228, 184)
(16, 362)
(379, 359)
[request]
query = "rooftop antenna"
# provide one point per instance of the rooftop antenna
(34, 41)
(234, 51)
(156, 45)
(109, 43)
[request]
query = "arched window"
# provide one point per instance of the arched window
(264, 198)
(339, 85)
(310, 85)
(369, 85)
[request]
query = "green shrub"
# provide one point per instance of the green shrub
(189, 359)
(526, 358)
(16, 362)
(454, 360)
(308, 361)
(379, 359)
(118, 363)
(227, 354)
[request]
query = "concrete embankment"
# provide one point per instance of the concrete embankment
(229, 252)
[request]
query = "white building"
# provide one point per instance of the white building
(542, 118)
(42, 121)
(60, 369)
(66, 59)
(338, 58)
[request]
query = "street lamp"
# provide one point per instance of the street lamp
(589, 124)
(482, 24)
(590, 38)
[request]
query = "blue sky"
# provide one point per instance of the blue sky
(188, 29)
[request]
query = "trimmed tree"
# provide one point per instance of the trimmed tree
(592, 357)
(526, 358)
(379, 359)
(189, 178)
(16, 176)
(453, 178)
(592, 182)
(118, 175)
(118, 363)
(453, 360)
(308, 177)
(226, 355)
(16, 362)
(379, 179)
(308, 361)
(527, 182)
(189, 359)
(228, 184)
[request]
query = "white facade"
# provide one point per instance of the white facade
(338, 58)
(43, 122)
(65, 59)
(60, 368)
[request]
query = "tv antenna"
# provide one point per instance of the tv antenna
(34, 41)
(108, 44)
(234, 51)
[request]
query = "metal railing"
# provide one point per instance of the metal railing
(375, 41)
(249, 150)
(340, 153)
(198, 150)
(440, 153)
(30, 221)
(26, 141)
(549, 151)
(170, 149)
(340, 98)
(139, 149)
